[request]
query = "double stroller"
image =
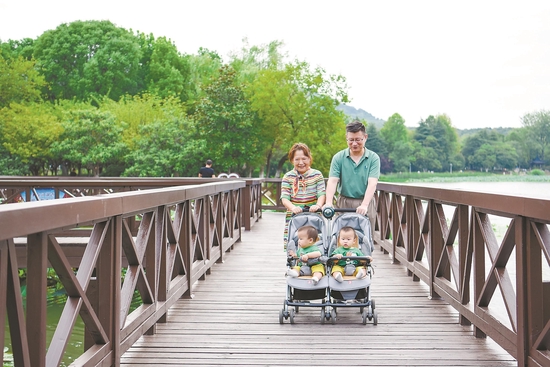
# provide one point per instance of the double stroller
(328, 294)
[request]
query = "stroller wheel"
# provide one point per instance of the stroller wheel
(374, 318)
(372, 304)
(323, 316)
(333, 316)
(281, 315)
(361, 309)
(365, 316)
(291, 314)
(297, 308)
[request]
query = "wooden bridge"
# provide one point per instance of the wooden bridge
(207, 262)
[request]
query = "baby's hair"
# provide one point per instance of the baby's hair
(355, 237)
(310, 231)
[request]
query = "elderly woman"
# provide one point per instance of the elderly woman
(301, 187)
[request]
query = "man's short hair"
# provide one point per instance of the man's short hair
(355, 126)
(209, 161)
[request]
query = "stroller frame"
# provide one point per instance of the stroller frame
(353, 293)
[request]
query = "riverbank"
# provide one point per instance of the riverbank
(438, 177)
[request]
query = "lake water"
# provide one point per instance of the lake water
(540, 190)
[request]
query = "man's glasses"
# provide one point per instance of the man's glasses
(356, 140)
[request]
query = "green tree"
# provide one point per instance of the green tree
(538, 127)
(28, 132)
(437, 134)
(19, 80)
(164, 149)
(485, 157)
(12, 49)
(169, 71)
(89, 58)
(521, 143)
(92, 138)
(506, 156)
(297, 104)
(203, 68)
(140, 110)
(228, 127)
(394, 131)
(11, 165)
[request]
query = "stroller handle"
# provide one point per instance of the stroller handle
(305, 210)
(328, 212)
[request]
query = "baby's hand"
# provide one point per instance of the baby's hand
(349, 253)
(304, 257)
(338, 256)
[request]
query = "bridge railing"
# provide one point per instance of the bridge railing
(487, 255)
(160, 240)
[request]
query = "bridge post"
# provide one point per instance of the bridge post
(37, 270)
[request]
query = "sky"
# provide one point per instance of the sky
(484, 63)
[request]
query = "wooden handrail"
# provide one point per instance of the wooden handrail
(462, 261)
(179, 233)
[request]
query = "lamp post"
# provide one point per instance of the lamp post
(451, 169)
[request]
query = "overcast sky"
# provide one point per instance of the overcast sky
(483, 63)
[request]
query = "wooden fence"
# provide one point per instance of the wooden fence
(160, 240)
(498, 279)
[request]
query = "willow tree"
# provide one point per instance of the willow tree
(298, 104)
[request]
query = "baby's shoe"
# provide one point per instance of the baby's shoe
(314, 280)
(338, 277)
(292, 273)
(361, 274)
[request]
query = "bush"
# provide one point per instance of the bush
(537, 172)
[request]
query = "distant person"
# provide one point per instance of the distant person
(207, 171)
(73, 172)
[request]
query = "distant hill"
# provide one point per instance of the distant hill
(353, 113)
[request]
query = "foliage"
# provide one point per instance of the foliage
(138, 111)
(88, 58)
(437, 143)
(164, 149)
(203, 69)
(28, 132)
(297, 104)
(538, 127)
(168, 71)
(227, 125)
(131, 104)
(19, 80)
(537, 172)
(91, 138)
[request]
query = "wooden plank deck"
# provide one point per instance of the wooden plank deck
(233, 320)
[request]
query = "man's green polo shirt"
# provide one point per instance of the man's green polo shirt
(354, 177)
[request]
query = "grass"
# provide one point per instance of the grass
(461, 177)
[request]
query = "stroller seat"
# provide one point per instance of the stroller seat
(352, 292)
(301, 290)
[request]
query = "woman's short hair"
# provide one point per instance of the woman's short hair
(299, 146)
